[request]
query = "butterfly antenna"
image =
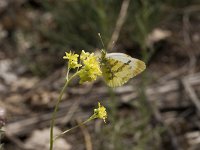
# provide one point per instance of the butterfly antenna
(113, 44)
(104, 50)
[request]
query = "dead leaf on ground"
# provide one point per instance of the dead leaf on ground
(39, 140)
(157, 35)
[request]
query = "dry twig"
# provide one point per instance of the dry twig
(119, 24)
(191, 93)
(87, 137)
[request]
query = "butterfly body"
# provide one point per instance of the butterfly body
(118, 68)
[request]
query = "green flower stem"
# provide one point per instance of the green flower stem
(73, 128)
(56, 108)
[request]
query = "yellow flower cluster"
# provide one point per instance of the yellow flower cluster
(88, 70)
(100, 113)
(73, 60)
(91, 68)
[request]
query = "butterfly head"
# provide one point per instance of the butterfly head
(103, 55)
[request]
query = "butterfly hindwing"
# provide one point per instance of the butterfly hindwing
(118, 68)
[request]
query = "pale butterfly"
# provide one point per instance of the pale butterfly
(118, 68)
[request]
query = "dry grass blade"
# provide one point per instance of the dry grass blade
(191, 93)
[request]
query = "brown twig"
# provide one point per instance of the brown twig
(173, 74)
(119, 24)
(87, 137)
(191, 93)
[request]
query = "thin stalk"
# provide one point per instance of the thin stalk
(55, 112)
(72, 128)
(67, 76)
(56, 108)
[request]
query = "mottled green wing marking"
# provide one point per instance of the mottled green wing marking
(115, 72)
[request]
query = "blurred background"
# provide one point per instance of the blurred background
(158, 110)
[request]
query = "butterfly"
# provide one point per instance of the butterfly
(118, 68)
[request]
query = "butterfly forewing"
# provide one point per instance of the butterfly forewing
(118, 68)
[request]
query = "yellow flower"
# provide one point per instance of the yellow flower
(73, 60)
(84, 55)
(100, 113)
(91, 69)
